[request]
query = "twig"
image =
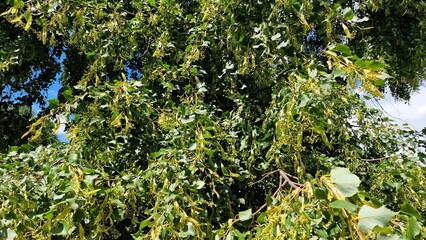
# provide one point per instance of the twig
(283, 176)
(273, 195)
(147, 48)
(58, 161)
(128, 12)
(375, 159)
(279, 187)
(255, 213)
(264, 176)
(288, 180)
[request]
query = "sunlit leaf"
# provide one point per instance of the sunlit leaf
(344, 204)
(341, 48)
(345, 181)
(245, 215)
(370, 217)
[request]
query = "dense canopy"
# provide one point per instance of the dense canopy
(210, 119)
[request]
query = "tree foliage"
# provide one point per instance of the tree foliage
(27, 68)
(220, 119)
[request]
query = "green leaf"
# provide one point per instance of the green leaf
(338, 72)
(3, 53)
(192, 147)
(348, 13)
(283, 44)
(68, 94)
(13, 149)
(78, 215)
(410, 210)
(321, 131)
(413, 228)
(370, 217)
(320, 194)
(344, 204)
(376, 202)
(360, 63)
(239, 235)
(11, 234)
(188, 120)
(144, 223)
(375, 65)
(199, 184)
(189, 230)
(326, 86)
(346, 182)
(303, 100)
(276, 37)
(261, 218)
(53, 103)
(384, 76)
(24, 148)
(152, 3)
(73, 157)
(341, 48)
(90, 55)
(245, 215)
(379, 82)
(62, 229)
(388, 237)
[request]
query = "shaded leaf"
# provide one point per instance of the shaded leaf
(410, 210)
(189, 230)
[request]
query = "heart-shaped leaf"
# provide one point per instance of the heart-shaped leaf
(346, 182)
(370, 217)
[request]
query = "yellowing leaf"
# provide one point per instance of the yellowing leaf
(347, 32)
(17, 19)
(28, 24)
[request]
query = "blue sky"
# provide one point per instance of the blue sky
(52, 92)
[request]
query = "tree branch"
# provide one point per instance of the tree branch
(287, 180)
(292, 184)
(375, 159)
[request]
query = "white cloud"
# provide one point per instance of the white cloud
(412, 113)
(61, 129)
(61, 133)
